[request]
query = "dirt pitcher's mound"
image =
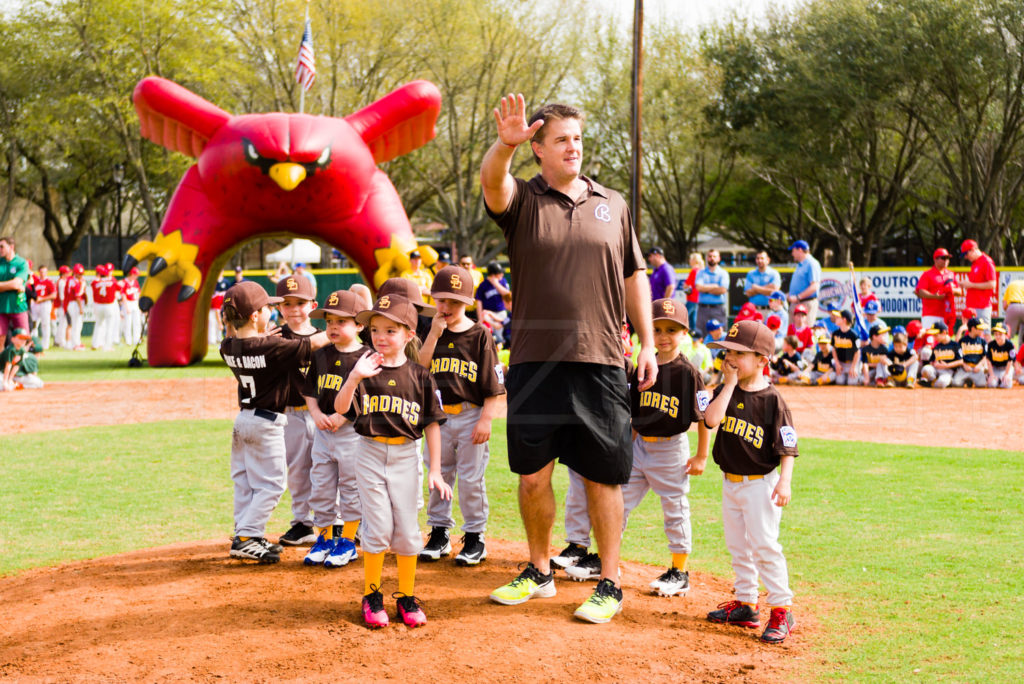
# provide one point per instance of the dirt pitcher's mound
(188, 612)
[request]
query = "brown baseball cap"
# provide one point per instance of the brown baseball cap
(248, 297)
(344, 303)
(670, 310)
(403, 287)
(394, 307)
(453, 282)
(296, 286)
(748, 336)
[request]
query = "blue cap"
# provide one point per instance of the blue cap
(872, 307)
(832, 306)
(713, 324)
(300, 265)
(802, 244)
(899, 329)
(777, 295)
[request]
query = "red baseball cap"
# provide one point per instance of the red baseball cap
(940, 252)
(64, 269)
(799, 308)
(914, 328)
(774, 322)
(134, 271)
(967, 245)
(79, 269)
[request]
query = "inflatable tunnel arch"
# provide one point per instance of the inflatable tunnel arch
(266, 175)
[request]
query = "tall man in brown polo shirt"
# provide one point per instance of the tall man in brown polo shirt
(577, 269)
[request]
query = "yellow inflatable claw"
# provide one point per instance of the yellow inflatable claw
(170, 260)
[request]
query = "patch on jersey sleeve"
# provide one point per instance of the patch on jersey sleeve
(703, 399)
(500, 373)
(788, 435)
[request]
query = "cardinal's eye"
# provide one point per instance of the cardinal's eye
(250, 151)
(324, 157)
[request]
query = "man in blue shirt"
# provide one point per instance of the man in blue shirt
(803, 288)
(663, 277)
(712, 282)
(761, 283)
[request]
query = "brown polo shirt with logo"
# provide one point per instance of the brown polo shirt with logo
(568, 263)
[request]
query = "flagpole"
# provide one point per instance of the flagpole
(302, 89)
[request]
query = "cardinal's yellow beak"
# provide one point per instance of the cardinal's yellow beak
(288, 175)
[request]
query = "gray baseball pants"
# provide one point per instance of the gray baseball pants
(298, 438)
(334, 493)
(962, 375)
(577, 514)
(460, 457)
(848, 374)
(257, 469)
(661, 466)
(388, 477)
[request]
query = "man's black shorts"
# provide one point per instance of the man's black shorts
(575, 412)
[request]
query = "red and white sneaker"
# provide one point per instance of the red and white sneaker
(374, 614)
(410, 612)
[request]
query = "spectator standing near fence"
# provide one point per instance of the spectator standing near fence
(1013, 306)
(712, 284)
(935, 288)
(980, 287)
(761, 283)
(663, 276)
(803, 287)
(14, 274)
(696, 264)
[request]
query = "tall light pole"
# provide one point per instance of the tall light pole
(636, 96)
(118, 182)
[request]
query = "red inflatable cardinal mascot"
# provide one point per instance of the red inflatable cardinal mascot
(262, 175)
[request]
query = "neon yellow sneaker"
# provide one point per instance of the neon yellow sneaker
(604, 604)
(528, 584)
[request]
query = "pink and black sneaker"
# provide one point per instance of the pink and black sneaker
(780, 624)
(410, 612)
(374, 614)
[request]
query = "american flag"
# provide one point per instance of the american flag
(305, 72)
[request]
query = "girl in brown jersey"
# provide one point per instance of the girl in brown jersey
(392, 401)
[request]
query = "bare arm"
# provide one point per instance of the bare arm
(783, 492)
(638, 307)
(715, 411)
(437, 326)
(495, 180)
(16, 284)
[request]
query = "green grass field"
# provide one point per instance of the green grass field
(61, 365)
(912, 558)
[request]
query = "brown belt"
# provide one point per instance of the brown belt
(740, 478)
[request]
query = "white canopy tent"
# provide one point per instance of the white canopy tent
(299, 250)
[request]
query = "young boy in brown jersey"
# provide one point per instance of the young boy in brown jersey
(661, 416)
(334, 495)
(462, 357)
(756, 447)
(261, 365)
(297, 301)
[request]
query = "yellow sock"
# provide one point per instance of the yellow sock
(752, 605)
(326, 532)
(349, 529)
(373, 568)
(679, 561)
(244, 538)
(406, 574)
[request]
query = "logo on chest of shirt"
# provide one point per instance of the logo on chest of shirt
(660, 402)
(748, 432)
(329, 382)
(459, 367)
(383, 403)
(602, 212)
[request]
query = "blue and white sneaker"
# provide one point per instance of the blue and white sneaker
(320, 551)
(343, 553)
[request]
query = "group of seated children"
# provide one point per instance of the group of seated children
(897, 357)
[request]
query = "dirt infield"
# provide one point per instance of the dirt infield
(976, 418)
(187, 612)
